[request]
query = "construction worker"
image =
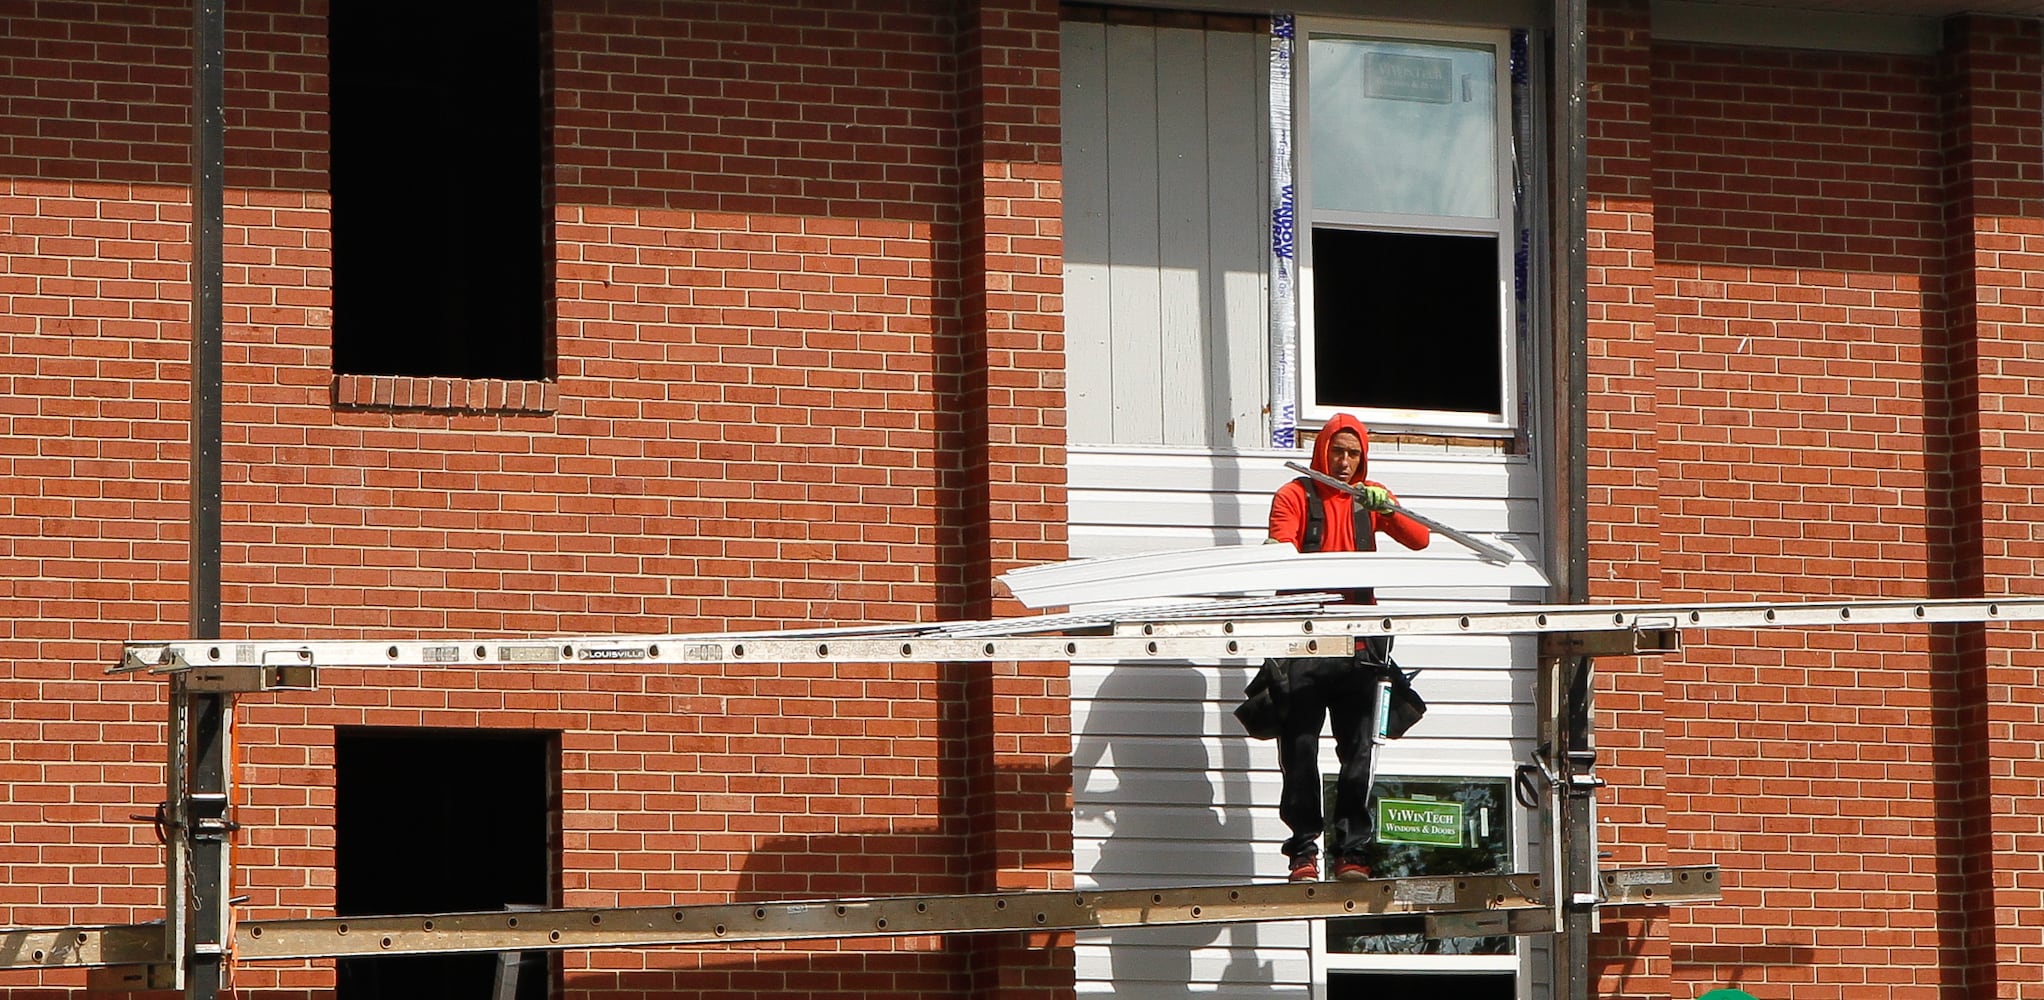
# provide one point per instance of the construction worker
(1316, 517)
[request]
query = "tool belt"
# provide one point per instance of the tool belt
(1262, 711)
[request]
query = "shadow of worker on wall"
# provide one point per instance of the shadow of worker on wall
(1148, 791)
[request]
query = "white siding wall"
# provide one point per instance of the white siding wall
(1166, 147)
(1169, 791)
(1166, 235)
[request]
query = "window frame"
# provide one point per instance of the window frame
(1502, 227)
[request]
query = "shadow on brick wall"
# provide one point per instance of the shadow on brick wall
(930, 860)
(810, 108)
(912, 859)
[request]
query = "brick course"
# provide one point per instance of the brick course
(760, 219)
(808, 367)
(1625, 503)
(1813, 435)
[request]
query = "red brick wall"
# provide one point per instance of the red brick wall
(1797, 255)
(1994, 227)
(809, 365)
(1807, 339)
(92, 442)
(1625, 532)
(1010, 388)
(762, 215)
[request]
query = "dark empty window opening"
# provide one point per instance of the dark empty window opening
(1458, 985)
(432, 822)
(1406, 321)
(438, 178)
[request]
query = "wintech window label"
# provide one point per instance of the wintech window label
(1400, 77)
(1419, 821)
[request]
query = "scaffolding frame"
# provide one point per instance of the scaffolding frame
(198, 936)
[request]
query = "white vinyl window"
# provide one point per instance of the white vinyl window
(1405, 180)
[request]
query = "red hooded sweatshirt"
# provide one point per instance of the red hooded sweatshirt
(1338, 534)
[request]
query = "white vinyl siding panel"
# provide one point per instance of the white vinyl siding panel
(1089, 397)
(1238, 204)
(1167, 789)
(1166, 138)
(1134, 236)
(1182, 234)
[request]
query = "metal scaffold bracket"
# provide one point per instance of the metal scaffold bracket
(251, 680)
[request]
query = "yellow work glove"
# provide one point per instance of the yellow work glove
(1375, 498)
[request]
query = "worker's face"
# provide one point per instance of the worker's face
(1344, 455)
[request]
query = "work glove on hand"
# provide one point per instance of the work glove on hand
(1375, 498)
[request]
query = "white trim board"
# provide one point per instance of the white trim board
(1246, 569)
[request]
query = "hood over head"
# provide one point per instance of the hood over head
(1335, 425)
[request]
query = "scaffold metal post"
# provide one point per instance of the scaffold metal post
(203, 827)
(201, 809)
(1572, 760)
(1568, 761)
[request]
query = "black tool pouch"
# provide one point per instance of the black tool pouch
(1262, 713)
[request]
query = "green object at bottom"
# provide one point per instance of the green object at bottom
(1726, 995)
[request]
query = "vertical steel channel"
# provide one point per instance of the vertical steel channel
(1565, 720)
(209, 44)
(198, 880)
(1570, 173)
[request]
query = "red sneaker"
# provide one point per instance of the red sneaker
(1304, 870)
(1351, 870)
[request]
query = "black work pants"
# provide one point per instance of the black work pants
(1343, 692)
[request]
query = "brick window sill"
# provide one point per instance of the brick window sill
(450, 395)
